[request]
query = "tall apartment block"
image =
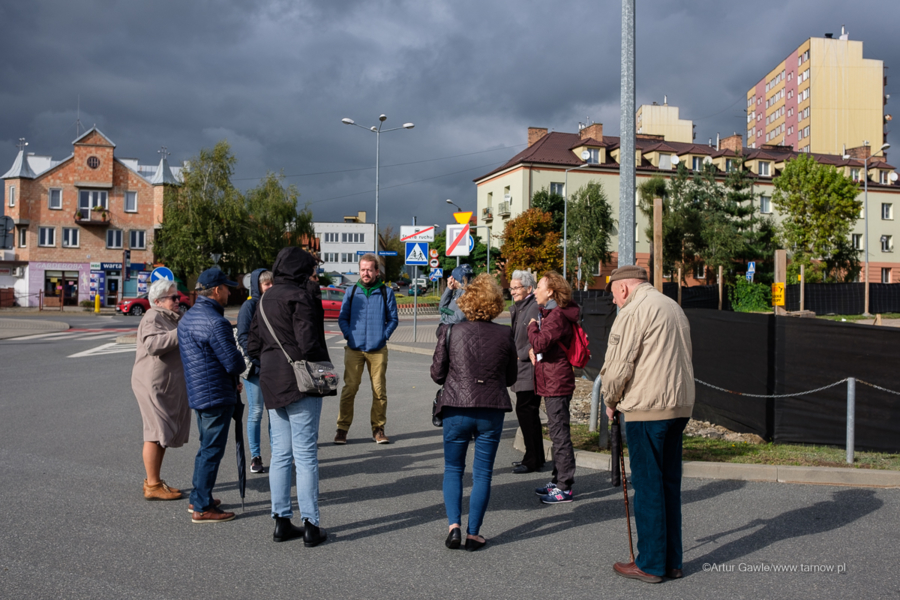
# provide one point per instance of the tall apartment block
(824, 97)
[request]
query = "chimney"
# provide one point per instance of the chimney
(735, 143)
(534, 134)
(595, 130)
(860, 152)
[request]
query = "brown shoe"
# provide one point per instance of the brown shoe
(212, 516)
(631, 571)
(340, 437)
(216, 503)
(674, 573)
(379, 437)
(160, 491)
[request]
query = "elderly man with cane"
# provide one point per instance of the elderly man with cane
(648, 377)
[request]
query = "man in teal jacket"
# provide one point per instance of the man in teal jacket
(367, 320)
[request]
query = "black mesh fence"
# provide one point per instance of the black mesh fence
(598, 313)
(844, 298)
(698, 296)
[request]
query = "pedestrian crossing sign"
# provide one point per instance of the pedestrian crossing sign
(417, 253)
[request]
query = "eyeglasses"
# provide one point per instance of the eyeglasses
(172, 298)
(517, 288)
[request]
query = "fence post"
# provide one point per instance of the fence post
(720, 287)
(658, 243)
(40, 300)
(851, 417)
(679, 286)
(802, 287)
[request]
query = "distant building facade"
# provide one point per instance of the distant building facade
(655, 119)
(342, 243)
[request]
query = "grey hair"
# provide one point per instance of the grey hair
(158, 288)
(525, 277)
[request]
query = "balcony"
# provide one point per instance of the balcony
(95, 217)
(503, 209)
(487, 214)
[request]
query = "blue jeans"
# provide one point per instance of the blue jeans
(255, 409)
(295, 435)
(654, 450)
(213, 425)
(461, 425)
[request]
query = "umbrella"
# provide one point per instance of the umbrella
(615, 448)
(238, 417)
(620, 465)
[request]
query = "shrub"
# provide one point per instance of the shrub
(750, 297)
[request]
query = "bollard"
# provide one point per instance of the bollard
(97, 304)
(851, 417)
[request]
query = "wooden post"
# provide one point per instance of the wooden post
(802, 287)
(658, 243)
(780, 274)
(679, 286)
(720, 287)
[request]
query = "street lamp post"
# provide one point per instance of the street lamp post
(566, 216)
(378, 131)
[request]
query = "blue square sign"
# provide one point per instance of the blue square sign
(417, 253)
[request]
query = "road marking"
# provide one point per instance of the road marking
(73, 334)
(111, 348)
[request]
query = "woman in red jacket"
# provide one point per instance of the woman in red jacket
(554, 378)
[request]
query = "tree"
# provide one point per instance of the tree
(531, 242)
(272, 223)
(204, 216)
(820, 208)
(551, 203)
(393, 265)
(591, 228)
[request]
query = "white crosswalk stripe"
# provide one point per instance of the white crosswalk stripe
(74, 334)
(111, 348)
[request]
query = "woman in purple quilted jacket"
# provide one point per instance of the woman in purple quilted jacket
(475, 361)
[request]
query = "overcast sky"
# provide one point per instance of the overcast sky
(275, 78)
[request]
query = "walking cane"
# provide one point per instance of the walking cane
(618, 427)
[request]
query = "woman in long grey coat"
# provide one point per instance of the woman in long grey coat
(158, 383)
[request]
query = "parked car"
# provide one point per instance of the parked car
(394, 286)
(332, 298)
(418, 290)
(141, 304)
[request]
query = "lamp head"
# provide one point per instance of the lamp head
(449, 201)
(348, 121)
(373, 128)
(382, 118)
(885, 146)
(846, 157)
(408, 125)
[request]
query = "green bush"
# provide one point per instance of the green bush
(750, 297)
(86, 304)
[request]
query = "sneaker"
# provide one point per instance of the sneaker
(160, 491)
(557, 496)
(379, 437)
(256, 465)
(545, 490)
(212, 516)
(340, 437)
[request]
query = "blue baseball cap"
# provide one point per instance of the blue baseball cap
(211, 278)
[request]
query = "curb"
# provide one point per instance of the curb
(746, 472)
(13, 328)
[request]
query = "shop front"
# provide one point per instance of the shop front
(68, 283)
(107, 280)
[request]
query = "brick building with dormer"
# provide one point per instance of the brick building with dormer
(75, 217)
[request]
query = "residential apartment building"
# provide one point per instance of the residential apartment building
(342, 243)
(75, 217)
(824, 97)
(506, 192)
(653, 119)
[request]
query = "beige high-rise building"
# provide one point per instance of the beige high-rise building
(653, 119)
(824, 97)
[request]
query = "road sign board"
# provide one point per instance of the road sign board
(436, 274)
(433, 253)
(417, 253)
(387, 253)
(778, 294)
(457, 242)
(462, 217)
(417, 233)
(434, 263)
(751, 267)
(361, 252)
(162, 273)
(750, 277)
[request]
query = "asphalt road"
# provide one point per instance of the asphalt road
(74, 523)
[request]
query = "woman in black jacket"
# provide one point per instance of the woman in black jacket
(293, 307)
(475, 366)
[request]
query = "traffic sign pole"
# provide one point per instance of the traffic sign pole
(416, 304)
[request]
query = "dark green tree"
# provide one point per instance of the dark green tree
(554, 204)
(272, 223)
(590, 230)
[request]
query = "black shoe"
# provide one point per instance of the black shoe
(314, 535)
(256, 465)
(454, 539)
(473, 545)
(516, 463)
(285, 530)
(522, 469)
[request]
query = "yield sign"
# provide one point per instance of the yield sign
(417, 253)
(458, 240)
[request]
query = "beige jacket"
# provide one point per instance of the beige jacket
(648, 373)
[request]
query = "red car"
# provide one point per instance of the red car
(331, 301)
(138, 306)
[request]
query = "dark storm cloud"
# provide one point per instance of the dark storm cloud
(275, 79)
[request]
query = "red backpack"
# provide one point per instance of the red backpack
(578, 354)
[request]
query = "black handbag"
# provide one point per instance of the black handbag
(436, 419)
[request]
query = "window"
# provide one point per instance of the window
(353, 238)
(23, 237)
(90, 199)
(130, 201)
(54, 199)
(857, 240)
(331, 237)
(70, 237)
(697, 163)
(765, 204)
(330, 257)
(764, 168)
(637, 233)
(729, 165)
(12, 196)
(348, 257)
(665, 161)
(699, 270)
(137, 239)
(887, 212)
(806, 131)
(47, 236)
(93, 162)
(887, 243)
(885, 275)
(114, 238)
(594, 157)
(883, 177)
(854, 173)
(558, 188)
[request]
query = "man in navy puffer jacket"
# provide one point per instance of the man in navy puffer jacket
(212, 364)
